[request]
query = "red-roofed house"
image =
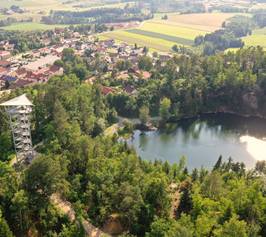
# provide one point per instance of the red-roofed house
(56, 70)
(4, 63)
(107, 90)
(145, 75)
(21, 72)
(3, 71)
(5, 55)
(20, 83)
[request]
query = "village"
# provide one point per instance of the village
(37, 66)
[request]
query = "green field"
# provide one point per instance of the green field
(34, 4)
(31, 26)
(158, 35)
(165, 27)
(258, 37)
(174, 39)
(131, 38)
(34, 8)
(37, 8)
(179, 29)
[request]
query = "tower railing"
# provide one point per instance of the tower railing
(19, 110)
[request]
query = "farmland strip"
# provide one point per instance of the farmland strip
(174, 39)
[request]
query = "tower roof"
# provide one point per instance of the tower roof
(20, 100)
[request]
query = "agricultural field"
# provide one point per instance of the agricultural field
(258, 37)
(174, 39)
(34, 5)
(178, 29)
(31, 26)
(131, 38)
(37, 8)
(34, 8)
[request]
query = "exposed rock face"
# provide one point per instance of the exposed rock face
(250, 100)
(250, 104)
(113, 225)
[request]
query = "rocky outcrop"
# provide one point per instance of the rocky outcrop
(250, 100)
(113, 225)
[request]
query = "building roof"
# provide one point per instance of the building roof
(8, 78)
(129, 89)
(146, 75)
(4, 63)
(107, 90)
(21, 83)
(42, 62)
(20, 100)
(4, 53)
(54, 68)
(3, 70)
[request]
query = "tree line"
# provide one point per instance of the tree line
(97, 15)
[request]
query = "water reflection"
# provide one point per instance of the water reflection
(204, 139)
(255, 147)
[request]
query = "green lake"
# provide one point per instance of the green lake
(202, 140)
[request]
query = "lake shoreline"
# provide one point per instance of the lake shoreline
(171, 120)
(203, 138)
(155, 120)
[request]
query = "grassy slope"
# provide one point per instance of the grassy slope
(258, 37)
(30, 26)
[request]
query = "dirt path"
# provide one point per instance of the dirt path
(67, 209)
(175, 196)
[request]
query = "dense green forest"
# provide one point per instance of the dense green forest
(97, 15)
(101, 176)
(231, 82)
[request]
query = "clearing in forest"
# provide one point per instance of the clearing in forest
(258, 37)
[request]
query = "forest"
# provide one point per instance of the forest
(98, 15)
(229, 36)
(102, 177)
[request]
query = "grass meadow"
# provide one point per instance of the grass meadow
(258, 37)
(31, 26)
